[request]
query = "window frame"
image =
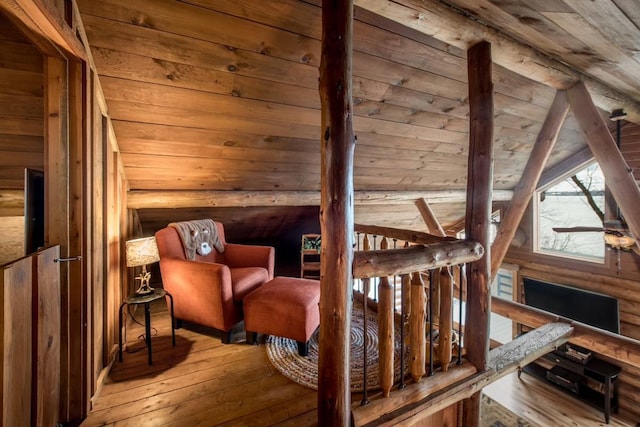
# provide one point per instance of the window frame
(536, 212)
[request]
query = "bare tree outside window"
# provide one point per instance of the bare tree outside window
(576, 201)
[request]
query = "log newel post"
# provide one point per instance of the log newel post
(336, 213)
(478, 214)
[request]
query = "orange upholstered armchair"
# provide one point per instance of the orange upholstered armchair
(209, 289)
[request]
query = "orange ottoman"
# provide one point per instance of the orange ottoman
(284, 307)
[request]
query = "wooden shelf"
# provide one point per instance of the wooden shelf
(310, 257)
(598, 385)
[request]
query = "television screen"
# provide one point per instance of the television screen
(600, 311)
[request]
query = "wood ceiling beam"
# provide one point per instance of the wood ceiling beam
(617, 175)
(175, 199)
(44, 20)
(437, 20)
(576, 161)
(544, 144)
(430, 219)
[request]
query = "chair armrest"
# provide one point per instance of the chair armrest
(238, 256)
(198, 279)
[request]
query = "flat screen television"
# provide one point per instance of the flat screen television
(598, 310)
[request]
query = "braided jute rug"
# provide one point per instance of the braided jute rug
(283, 354)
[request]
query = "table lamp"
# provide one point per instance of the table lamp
(141, 252)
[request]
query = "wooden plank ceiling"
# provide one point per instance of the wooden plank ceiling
(223, 95)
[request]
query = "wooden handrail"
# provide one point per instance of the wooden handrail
(400, 234)
(391, 262)
(618, 347)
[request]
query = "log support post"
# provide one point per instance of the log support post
(336, 213)
(478, 214)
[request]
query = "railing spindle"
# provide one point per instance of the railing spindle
(446, 317)
(417, 338)
(462, 283)
(385, 330)
(375, 288)
(405, 309)
(365, 296)
(434, 280)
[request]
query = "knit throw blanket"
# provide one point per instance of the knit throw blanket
(198, 236)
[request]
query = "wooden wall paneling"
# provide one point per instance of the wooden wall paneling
(79, 228)
(21, 131)
(528, 182)
(112, 245)
(99, 194)
(630, 147)
(449, 417)
(57, 208)
(377, 42)
(15, 286)
(46, 337)
(12, 238)
(444, 22)
(125, 274)
(162, 72)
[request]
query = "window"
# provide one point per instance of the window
(575, 201)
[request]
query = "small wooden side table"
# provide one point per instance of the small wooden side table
(146, 299)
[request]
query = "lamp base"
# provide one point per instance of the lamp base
(144, 278)
(144, 290)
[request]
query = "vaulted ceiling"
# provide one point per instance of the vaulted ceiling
(222, 96)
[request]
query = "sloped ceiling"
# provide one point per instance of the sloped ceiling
(223, 95)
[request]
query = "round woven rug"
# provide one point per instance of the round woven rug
(283, 354)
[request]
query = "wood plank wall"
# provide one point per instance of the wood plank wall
(223, 95)
(630, 147)
(21, 131)
(619, 281)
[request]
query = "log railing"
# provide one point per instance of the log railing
(409, 278)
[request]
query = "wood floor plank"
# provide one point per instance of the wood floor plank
(543, 405)
(202, 382)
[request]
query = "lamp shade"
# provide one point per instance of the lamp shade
(142, 251)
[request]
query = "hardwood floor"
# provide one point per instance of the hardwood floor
(202, 382)
(543, 405)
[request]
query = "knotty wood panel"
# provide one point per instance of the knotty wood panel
(46, 323)
(15, 286)
(587, 35)
(21, 107)
(243, 103)
(630, 147)
(12, 238)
